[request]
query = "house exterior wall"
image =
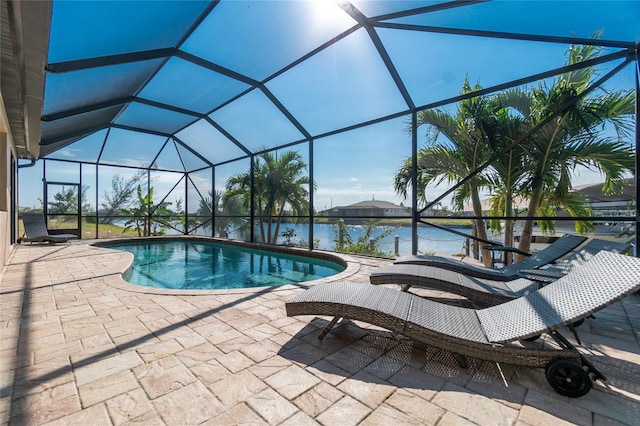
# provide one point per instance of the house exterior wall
(7, 204)
(396, 212)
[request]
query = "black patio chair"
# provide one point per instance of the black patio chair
(36, 231)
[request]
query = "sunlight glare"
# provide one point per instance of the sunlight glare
(327, 12)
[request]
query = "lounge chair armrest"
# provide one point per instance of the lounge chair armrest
(544, 276)
(506, 249)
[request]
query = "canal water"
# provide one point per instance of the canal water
(430, 240)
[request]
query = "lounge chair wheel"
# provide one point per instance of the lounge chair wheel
(568, 378)
(578, 323)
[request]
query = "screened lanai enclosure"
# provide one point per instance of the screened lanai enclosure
(321, 124)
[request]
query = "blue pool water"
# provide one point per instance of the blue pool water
(188, 265)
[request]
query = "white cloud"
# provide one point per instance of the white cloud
(67, 152)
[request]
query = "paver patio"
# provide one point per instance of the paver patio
(81, 346)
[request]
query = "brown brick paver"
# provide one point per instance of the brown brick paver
(78, 345)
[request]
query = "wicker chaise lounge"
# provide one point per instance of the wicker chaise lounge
(36, 231)
(552, 252)
(486, 333)
(487, 292)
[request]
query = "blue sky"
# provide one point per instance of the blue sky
(343, 85)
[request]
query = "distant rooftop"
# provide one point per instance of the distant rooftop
(379, 204)
(594, 192)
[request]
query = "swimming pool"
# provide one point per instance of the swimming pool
(203, 265)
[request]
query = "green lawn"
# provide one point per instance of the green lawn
(88, 229)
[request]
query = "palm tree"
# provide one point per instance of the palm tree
(278, 184)
(463, 149)
(502, 129)
(142, 215)
(572, 138)
(228, 218)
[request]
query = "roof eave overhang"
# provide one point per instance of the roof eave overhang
(25, 44)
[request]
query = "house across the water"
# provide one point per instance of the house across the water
(370, 208)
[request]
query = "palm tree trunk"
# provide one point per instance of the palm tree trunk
(508, 210)
(268, 241)
(527, 229)
(525, 238)
(261, 221)
(277, 231)
(481, 229)
(271, 210)
(508, 223)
